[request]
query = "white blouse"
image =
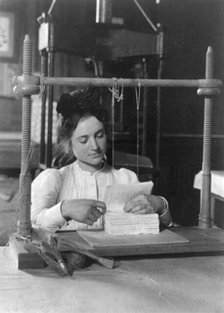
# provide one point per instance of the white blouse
(52, 186)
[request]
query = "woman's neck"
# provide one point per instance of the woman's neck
(89, 167)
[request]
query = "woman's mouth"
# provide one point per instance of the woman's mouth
(96, 155)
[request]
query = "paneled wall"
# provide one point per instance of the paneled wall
(194, 26)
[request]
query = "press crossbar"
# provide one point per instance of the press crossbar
(127, 82)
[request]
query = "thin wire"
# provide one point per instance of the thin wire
(145, 16)
(51, 7)
(138, 99)
(114, 91)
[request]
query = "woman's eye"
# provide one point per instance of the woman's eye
(100, 135)
(83, 140)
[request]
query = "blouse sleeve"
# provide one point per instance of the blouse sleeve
(45, 211)
(125, 176)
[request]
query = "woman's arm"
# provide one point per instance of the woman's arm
(45, 208)
(46, 211)
(83, 210)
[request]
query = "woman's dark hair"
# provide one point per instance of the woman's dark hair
(72, 107)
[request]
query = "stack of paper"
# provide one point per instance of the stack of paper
(118, 222)
(131, 224)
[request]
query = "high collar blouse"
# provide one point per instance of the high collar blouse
(52, 186)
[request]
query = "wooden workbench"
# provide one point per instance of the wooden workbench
(191, 284)
(177, 241)
(195, 240)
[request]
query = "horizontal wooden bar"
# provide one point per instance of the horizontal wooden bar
(172, 135)
(127, 82)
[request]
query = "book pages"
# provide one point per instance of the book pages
(117, 195)
(118, 222)
(131, 224)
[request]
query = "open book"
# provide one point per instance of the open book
(118, 222)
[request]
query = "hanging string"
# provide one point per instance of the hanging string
(117, 95)
(43, 94)
(138, 98)
(43, 91)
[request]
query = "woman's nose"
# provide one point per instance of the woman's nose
(94, 144)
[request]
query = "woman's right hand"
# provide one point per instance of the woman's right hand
(83, 210)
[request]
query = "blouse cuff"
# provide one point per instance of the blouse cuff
(165, 217)
(52, 217)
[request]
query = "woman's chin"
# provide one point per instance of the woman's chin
(96, 159)
(97, 162)
(94, 164)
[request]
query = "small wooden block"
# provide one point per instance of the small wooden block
(24, 259)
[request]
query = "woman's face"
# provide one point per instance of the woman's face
(89, 143)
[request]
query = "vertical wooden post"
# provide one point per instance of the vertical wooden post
(204, 217)
(50, 93)
(24, 223)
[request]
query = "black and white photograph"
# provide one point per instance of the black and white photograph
(111, 156)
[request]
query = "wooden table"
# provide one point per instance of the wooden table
(217, 192)
(138, 284)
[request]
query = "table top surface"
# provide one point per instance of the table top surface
(217, 182)
(136, 284)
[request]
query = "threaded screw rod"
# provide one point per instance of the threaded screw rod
(24, 223)
(204, 216)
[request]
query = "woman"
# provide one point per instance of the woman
(71, 197)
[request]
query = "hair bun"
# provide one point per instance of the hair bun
(78, 101)
(64, 106)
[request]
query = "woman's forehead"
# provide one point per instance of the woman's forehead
(87, 126)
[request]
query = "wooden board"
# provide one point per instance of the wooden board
(197, 241)
(100, 239)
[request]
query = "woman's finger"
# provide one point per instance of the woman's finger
(100, 205)
(92, 217)
(89, 222)
(142, 211)
(136, 208)
(129, 206)
(96, 212)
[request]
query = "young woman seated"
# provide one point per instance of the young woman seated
(71, 196)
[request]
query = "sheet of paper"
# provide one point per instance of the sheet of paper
(117, 195)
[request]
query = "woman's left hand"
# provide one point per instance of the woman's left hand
(144, 204)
